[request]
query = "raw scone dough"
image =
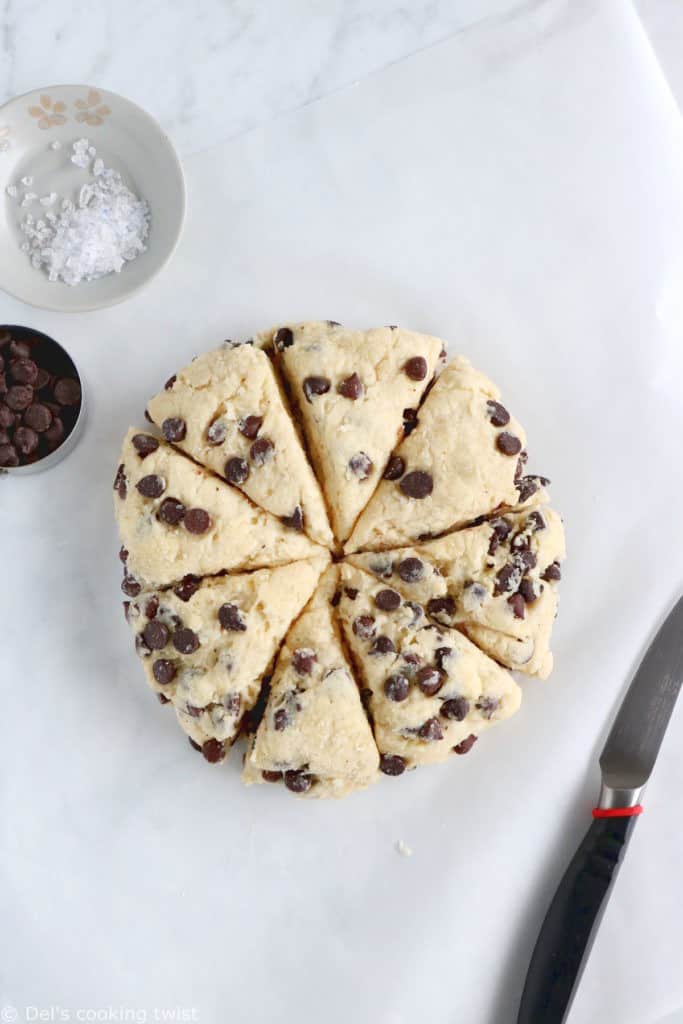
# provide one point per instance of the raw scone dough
(352, 389)
(225, 410)
(314, 735)
(465, 459)
(176, 518)
(206, 644)
(429, 691)
(498, 581)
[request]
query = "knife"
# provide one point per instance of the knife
(626, 763)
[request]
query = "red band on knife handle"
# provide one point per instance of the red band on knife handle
(617, 812)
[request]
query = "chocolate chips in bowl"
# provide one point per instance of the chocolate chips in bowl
(41, 401)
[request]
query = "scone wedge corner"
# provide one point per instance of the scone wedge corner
(430, 692)
(314, 735)
(205, 645)
(176, 517)
(466, 458)
(226, 410)
(355, 392)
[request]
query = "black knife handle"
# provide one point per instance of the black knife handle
(572, 921)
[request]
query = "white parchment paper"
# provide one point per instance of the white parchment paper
(519, 191)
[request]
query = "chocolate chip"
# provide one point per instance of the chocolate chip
(174, 428)
(383, 645)
(501, 531)
(416, 368)
(518, 605)
(123, 555)
(441, 607)
(487, 706)
(455, 708)
(519, 468)
(170, 382)
(506, 580)
(298, 781)
(120, 483)
(8, 456)
(38, 417)
(195, 746)
(281, 719)
(525, 557)
(333, 323)
(250, 426)
(508, 444)
(283, 338)
(465, 745)
(151, 486)
(430, 730)
(152, 606)
(430, 680)
(147, 416)
(230, 618)
(194, 712)
(25, 440)
(144, 444)
(552, 572)
(411, 570)
(392, 764)
(163, 671)
(67, 391)
(130, 586)
(23, 371)
(395, 468)
(417, 610)
(7, 417)
(303, 660)
(364, 626)
(19, 397)
(295, 521)
(156, 635)
(162, 699)
(54, 433)
(197, 520)
(171, 511)
(336, 598)
(19, 349)
(396, 688)
(351, 387)
(314, 386)
(351, 593)
(535, 522)
(387, 600)
(360, 465)
(271, 776)
(236, 470)
(216, 432)
(382, 567)
(214, 751)
(527, 592)
(261, 451)
(498, 414)
(185, 641)
(187, 588)
(417, 484)
(527, 486)
(410, 421)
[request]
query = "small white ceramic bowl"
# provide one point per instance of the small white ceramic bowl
(127, 139)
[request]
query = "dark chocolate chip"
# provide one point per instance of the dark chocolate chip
(455, 708)
(194, 712)
(336, 598)
(123, 555)
(151, 486)
(152, 606)
(382, 567)
(236, 470)
(360, 465)
(364, 626)
(144, 444)
(498, 414)
(552, 572)
(416, 368)
(528, 592)
(216, 432)
(130, 586)
(67, 391)
(443, 607)
(351, 387)
(23, 371)
(187, 588)
(170, 382)
(527, 486)
(162, 698)
(417, 484)
(517, 603)
(25, 440)
(508, 444)
(410, 421)
(417, 610)
(283, 338)
(163, 671)
(38, 417)
(521, 463)
(171, 511)
(392, 764)
(430, 680)
(395, 468)
(185, 641)
(383, 645)
(156, 635)
(271, 776)
(147, 416)
(525, 557)
(174, 428)
(261, 451)
(501, 531)
(250, 426)
(230, 618)
(19, 397)
(314, 386)
(54, 435)
(387, 600)
(8, 456)
(411, 570)
(295, 521)
(214, 751)
(120, 484)
(465, 745)
(430, 730)
(281, 719)
(396, 688)
(298, 781)
(505, 580)
(197, 520)
(535, 521)
(303, 660)
(195, 746)
(487, 706)
(351, 593)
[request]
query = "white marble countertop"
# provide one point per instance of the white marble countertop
(233, 65)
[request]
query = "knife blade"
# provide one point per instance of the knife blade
(626, 763)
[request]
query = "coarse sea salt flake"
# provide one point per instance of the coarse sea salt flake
(48, 200)
(12, 191)
(27, 181)
(97, 167)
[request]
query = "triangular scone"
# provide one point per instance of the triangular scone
(176, 518)
(352, 389)
(206, 644)
(225, 410)
(464, 459)
(314, 735)
(429, 691)
(497, 581)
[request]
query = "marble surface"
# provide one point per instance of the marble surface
(233, 64)
(541, 212)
